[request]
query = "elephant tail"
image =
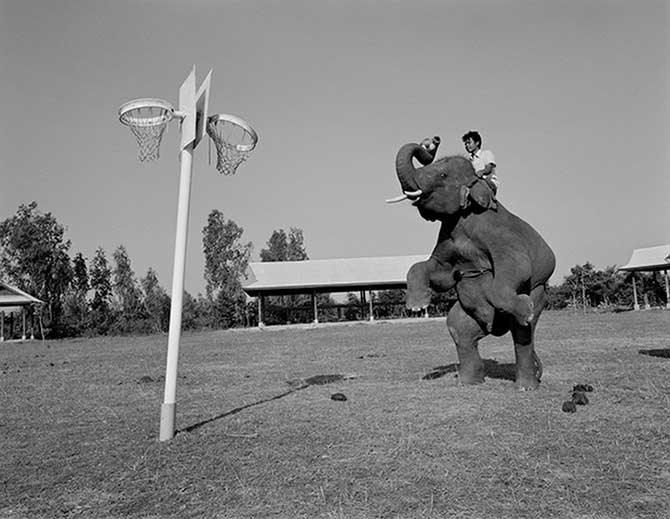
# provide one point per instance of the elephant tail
(538, 366)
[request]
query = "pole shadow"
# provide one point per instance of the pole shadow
(195, 426)
(296, 385)
(661, 352)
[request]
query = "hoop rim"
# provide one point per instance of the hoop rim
(145, 102)
(215, 118)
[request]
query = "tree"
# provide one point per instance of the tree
(296, 245)
(156, 302)
(277, 247)
(124, 285)
(226, 260)
(76, 308)
(390, 303)
(283, 247)
(80, 282)
(130, 315)
(101, 284)
(34, 256)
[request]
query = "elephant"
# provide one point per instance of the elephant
(498, 264)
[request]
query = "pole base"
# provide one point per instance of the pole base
(167, 421)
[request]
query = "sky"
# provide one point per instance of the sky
(572, 98)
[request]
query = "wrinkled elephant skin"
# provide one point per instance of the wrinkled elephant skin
(497, 262)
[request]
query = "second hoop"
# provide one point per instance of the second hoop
(234, 139)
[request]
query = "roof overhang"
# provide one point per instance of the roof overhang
(328, 275)
(649, 259)
(11, 296)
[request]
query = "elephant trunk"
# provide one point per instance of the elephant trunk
(404, 165)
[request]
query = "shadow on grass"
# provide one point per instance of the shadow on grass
(238, 409)
(661, 352)
(492, 369)
(296, 385)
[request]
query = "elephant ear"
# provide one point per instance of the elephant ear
(482, 195)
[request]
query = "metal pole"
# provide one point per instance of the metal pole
(372, 315)
(667, 291)
(168, 409)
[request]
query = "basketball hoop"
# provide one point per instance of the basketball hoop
(147, 119)
(234, 139)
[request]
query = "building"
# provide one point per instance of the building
(650, 259)
(14, 301)
(327, 275)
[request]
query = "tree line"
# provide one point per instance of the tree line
(102, 295)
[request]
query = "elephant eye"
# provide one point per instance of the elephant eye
(443, 175)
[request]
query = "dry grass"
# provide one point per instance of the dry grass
(79, 425)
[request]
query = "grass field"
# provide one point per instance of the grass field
(79, 425)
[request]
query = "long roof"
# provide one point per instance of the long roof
(328, 275)
(12, 296)
(649, 259)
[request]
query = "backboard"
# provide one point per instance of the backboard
(194, 106)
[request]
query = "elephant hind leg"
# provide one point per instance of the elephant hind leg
(528, 365)
(466, 333)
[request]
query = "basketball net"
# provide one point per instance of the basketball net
(228, 157)
(148, 120)
(233, 138)
(149, 140)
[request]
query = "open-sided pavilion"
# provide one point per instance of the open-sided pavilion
(649, 259)
(13, 301)
(327, 276)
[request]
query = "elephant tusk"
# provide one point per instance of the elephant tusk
(396, 199)
(415, 194)
(407, 194)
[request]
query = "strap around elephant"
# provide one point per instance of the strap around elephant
(467, 274)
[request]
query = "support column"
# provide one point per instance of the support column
(667, 290)
(315, 307)
(32, 323)
(2, 326)
(260, 311)
(23, 315)
(425, 312)
(636, 305)
(372, 314)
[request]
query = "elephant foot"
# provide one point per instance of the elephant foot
(528, 383)
(417, 299)
(471, 376)
(524, 310)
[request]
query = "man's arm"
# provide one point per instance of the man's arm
(490, 162)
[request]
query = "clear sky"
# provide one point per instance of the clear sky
(571, 96)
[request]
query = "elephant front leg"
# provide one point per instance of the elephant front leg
(466, 332)
(421, 277)
(502, 294)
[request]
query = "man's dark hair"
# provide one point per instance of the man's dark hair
(474, 136)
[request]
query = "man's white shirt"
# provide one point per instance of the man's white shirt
(479, 161)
